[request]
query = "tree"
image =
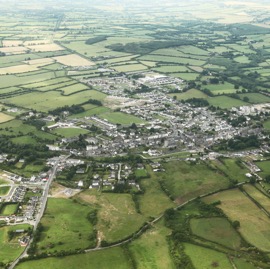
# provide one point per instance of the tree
(236, 224)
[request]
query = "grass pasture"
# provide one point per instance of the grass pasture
(121, 118)
(254, 224)
(255, 98)
(185, 181)
(225, 102)
(5, 117)
(9, 209)
(66, 226)
(189, 94)
(204, 258)
(10, 250)
(264, 165)
(217, 230)
(4, 190)
(129, 67)
(70, 132)
(221, 88)
(150, 247)
(117, 217)
(113, 258)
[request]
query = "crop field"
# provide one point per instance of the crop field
(17, 69)
(10, 250)
(9, 209)
(204, 258)
(121, 118)
(45, 47)
(66, 226)
(70, 132)
(117, 217)
(233, 168)
(148, 249)
(185, 181)
(225, 102)
(114, 258)
(254, 224)
(218, 230)
(73, 60)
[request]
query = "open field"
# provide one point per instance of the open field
(129, 67)
(66, 226)
(70, 132)
(225, 102)
(221, 88)
(254, 224)
(17, 69)
(262, 199)
(255, 97)
(121, 118)
(73, 60)
(233, 168)
(264, 166)
(150, 247)
(24, 140)
(218, 230)
(5, 117)
(9, 250)
(45, 47)
(117, 217)
(204, 258)
(4, 190)
(193, 93)
(9, 209)
(185, 181)
(113, 258)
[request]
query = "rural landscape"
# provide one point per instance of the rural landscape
(134, 134)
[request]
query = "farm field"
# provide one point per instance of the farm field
(193, 93)
(221, 88)
(114, 258)
(4, 190)
(149, 249)
(254, 223)
(204, 258)
(73, 60)
(117, 217)
(66, 226)
(233, 168)
(10, 250)
(265, 168)
(185, 181)
(121, 118)
(225, 102)
(218, 230)
(5, 117)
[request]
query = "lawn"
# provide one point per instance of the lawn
(9, 209)
(10, 250)
(70, 132)
(185, 181)
(254, 224)
(4, 190)
(121, 118)
(218, 230)
(151, 250)
(205, 258)
(113, 258)
(66, 226)
(225, 102)
(117, 217)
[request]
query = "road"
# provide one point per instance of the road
(41, 211)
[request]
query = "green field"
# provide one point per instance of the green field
(9, 209)
(185, 181)
(4, 190)
(233, 168)
(193, 93)
(113, 258)
(255, 98)
(151, 250)
(117, 217)
(221, 88)
(254, 224)
(264, 166)
(70, 132)
(24, 140)
(121, 118)
(171, 69)
(217, 230)
(10, 250)
(204, 258)
(66, 226)
(225, 102)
